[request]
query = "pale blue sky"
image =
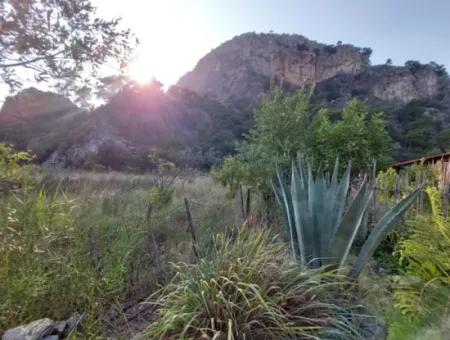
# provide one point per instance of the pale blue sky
(176, 33)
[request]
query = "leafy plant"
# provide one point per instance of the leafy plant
(320, 223)
(249, 289)
(232, 174)
(425, 285)
(161, 194)
(64, 41)
(287, 125)
(13, 174)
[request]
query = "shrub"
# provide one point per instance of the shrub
(286, 126)
(425, 285)
(231, 174)
(247, 288)
(12, 173)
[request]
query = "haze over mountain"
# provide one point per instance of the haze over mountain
(201, 119)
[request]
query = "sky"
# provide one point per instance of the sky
(175, 34)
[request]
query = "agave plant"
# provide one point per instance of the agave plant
(323, 221)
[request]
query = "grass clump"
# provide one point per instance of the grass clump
(248, 288)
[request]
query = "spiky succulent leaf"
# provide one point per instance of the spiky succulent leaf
(380, 230)
(342, 240)
(284, 199)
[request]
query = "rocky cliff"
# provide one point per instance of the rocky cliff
(240, 70)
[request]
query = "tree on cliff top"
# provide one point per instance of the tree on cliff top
(58, 41)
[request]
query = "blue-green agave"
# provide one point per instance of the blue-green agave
(323, 221)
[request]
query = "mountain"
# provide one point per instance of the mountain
(239, 71)
(415, 98)
(200, 120)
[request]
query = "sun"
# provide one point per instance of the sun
(140, 72)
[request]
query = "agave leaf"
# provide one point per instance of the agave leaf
(285, 201)
(320, 206)
(334, 176)
(297, 203)
(348, 229)
(305, 217)
(380, 230)
(341, 198)
(313, 201)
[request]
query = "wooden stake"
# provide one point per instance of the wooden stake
(241, 195)
(247, 209)
(154, 247)
(191, 228)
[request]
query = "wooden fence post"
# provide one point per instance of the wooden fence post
(191, 228)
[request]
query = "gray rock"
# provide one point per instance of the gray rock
(44, 329)
(35, 330)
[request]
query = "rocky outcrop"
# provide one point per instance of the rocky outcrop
(248, 65)
(241, 70)
(400, 84)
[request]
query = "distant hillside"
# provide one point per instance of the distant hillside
(180, 125)
(38, 120)
(199, 121)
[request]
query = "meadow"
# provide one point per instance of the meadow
(84, 242)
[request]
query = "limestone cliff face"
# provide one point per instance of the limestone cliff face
(248, 65)
(239, 71)
(401, 84)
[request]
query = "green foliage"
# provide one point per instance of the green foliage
(321, 225)
(443, 140)
(248, 289)
(13, 174)
(287, 126)
(79, 45)
(404, 180)
(161, 194)
(231, 174)
(44, 260)
(280, 133)
(417, 132)
(356, 137)
(86, 249)
(425, 285)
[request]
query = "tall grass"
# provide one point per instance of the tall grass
(80, 242)
(249, 288)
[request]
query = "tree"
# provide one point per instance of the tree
(443, 140)
(356, 137)
(288, 126)
(281, 131)
(389, 61)
(58, 41)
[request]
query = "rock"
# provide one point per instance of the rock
(33, 331)
(242, 69)
(264, 60)
(44, 329)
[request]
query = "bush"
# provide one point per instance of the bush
(247, 288)
(287, 126)
(425, 285)
(13, 175)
